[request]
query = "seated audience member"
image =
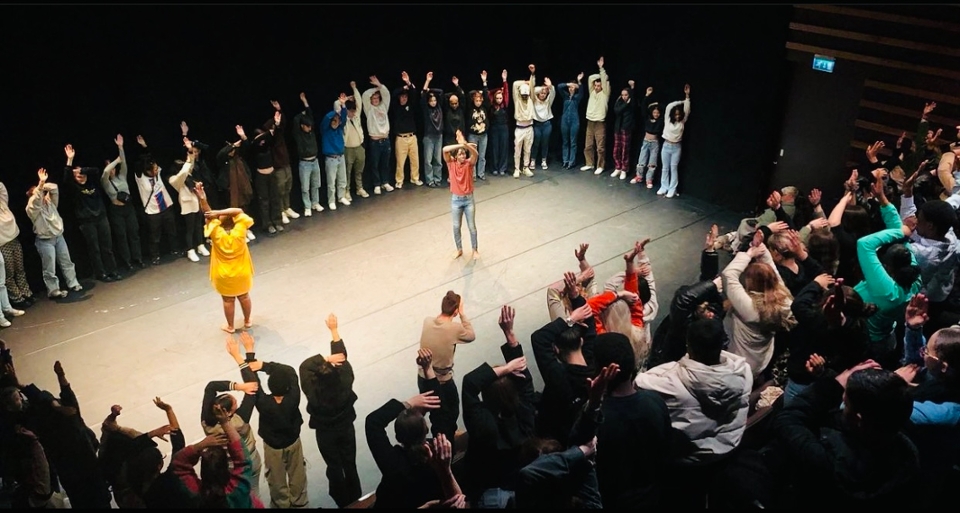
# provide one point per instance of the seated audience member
(860, 458)
(633, 320)
(498, 412)
(760, 306)
(831, 329)
(558, 348)
(707, 392)
(224, 480)
(558, 478)
(327, 382)
(216, 393)
(633, 439)
(793, 262)
(407, 482)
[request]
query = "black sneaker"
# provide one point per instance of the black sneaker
(106, 278)
(155, 261)
(115, 276)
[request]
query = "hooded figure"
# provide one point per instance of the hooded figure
(707, 402)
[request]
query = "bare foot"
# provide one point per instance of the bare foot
(476, 255)
(227, 328)
(458, 254)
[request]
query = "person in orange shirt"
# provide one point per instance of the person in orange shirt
(461, 159)
(231, 268)
(624, 317)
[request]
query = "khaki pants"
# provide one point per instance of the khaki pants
(596, 140)
(355, 158)
(522, 143)
(406, 146)
(286, 475)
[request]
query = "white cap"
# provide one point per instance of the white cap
(524, 89)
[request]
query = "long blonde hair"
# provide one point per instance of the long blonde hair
(616, 319)
(771, 298)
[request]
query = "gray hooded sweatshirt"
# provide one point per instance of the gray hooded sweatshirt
(707, 403)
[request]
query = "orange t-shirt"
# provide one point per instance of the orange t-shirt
(461, 178)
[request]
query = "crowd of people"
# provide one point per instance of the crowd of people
(816, 367)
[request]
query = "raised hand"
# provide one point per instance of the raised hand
(455, 81)
(275, 104)
(459, 135)
(247, 340)
(776, 226)
(916, 314)
(247, 388)
(184, 129)
(586, 275)
(547, 82)
(649, 91)
(336, 359)
(161, 432)
(212, 441)
(198, 190)
(600, 62)
(814, 197)
(851, 185)
(507, 314)
(936, 135)
(277, 116)
(570, 285)
(631, 83)
(581, 253)
(42, 174)
(118, 140)
(517, 366)
(115, 410)
(532, 68)
(141, 141)
(503, 75)
(429, 76)
(424, 358)
(58, 369)
(818, 223)
(162, 405)
(928, 108)
(231, 345)
(873, 149)
(711, 239)
(303, 98)
(68, 149)
(598, 385)
(483, 76)
(644, 270)
(374, 80)
(908, 373)
(907, 187)
(824, 280)
(440, 454)
(903, 135)
(815, 364)
(580, 77)
(331, 322)
(342, 98)
(642, 245)
(845, 375)
(221, 414)
(773, 200)
(757, 251)
(240, 131)
(629, 297)
(686, 89)
(424, 401)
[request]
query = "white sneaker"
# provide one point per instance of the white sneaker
(623, 175)
(192, 255)
(363, 194)
(543, 164)
(527, 172)
(418, 183)
(308, 212)
(202, 250)
(251, 236)
(599, 171)
(399, 185)
(292, 214)
(516, 173)
(345, 202)
(318, 207)
(333, 206)
(615, 173)
(77, 288)
(284, 219)
(388, 187)
(271, 230)
(4, 323)
(376, 190)
(13, 312)
(348, 197)
(635, 180)
(586, 168)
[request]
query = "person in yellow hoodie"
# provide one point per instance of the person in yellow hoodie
(595, 147)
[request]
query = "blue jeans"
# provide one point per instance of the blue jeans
(336, 168)
(499, 148)
(379, 155)
(569, 128)
(5, 305)
(649, 151)
(496, 498)
(432, 158)
(670, 155)
(481, 141)
(460, 205)
(52, 252)
(541, 140)
(791, 391)
(310, 182)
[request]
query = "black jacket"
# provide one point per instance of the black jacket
(841, 346)
(329, 401)
(624, 113)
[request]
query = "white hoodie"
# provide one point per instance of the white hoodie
(937, 260)
(707, 403)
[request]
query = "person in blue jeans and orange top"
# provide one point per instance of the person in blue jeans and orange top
(571, 95)
(678, 113)
(461, 158)
(650, 148)
(499, 138)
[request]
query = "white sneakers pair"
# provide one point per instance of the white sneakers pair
(343, 201)
(201, 250)
(13, 312)
(619, 172)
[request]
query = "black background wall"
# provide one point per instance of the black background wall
(81, 75)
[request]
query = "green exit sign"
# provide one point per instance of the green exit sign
(823, 63)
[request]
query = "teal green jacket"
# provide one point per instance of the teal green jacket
(877, 286)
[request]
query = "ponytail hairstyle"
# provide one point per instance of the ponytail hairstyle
(898, 261)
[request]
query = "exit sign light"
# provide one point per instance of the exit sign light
(823, 63)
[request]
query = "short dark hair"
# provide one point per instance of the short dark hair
(881, 398)
(281, 381)
(502, 397)
(410, 428)
(705, 339)
(225, 401)
(940, 214)
(570, 339)
(615, 348)
(450, 303)
(350, 105)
